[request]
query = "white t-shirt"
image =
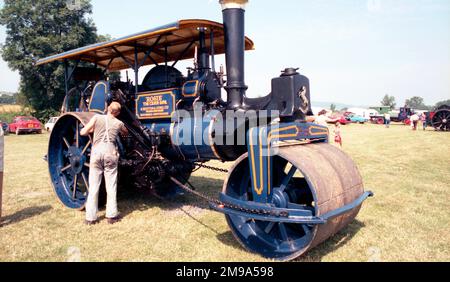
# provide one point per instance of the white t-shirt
(414, 117)
(321, 120)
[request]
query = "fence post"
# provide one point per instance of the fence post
(2, 144)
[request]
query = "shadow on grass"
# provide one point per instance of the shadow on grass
(23, 214)
(333, 243)
(130, 201)
(228, 239)
(316, 254)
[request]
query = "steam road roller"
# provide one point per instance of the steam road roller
(288, 190)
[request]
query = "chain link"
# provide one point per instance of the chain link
(212, 168)
(227, 205)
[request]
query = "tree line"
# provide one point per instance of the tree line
(415, 102)
(37, 29)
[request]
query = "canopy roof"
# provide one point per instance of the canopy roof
(180, 38)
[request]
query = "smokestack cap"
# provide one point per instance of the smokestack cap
(233, 4)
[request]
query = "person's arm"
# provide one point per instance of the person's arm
(123, 130)
(89, 128)
(310, 118)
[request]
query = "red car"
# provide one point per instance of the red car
(341, 119)
(25, 125)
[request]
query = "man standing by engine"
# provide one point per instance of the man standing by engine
(104, 161)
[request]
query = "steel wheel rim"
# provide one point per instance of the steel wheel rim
(441, 120)
(272, 240)
(68, 157)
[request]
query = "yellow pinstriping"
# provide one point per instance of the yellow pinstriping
(270, 136)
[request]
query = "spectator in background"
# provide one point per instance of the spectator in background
(423, 119)
(322, 118)
(337, 134)
(387, 119)
(414, 121)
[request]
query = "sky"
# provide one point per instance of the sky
(353, 51)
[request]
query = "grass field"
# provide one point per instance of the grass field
(407, 220)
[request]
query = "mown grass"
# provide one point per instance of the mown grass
(407, 220)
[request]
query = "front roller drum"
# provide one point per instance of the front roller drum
(317, 177)
(68, 159)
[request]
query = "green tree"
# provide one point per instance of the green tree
(333, 107)
(39, 28)
(389, 101)
(416, 102)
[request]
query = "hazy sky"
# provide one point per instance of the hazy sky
(353, 51)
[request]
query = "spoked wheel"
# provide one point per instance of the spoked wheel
(441, 119)
(68, 159)
(316, 178)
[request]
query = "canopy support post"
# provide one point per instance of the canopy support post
(166, 57)
(73, 70)
(66, 77)
(136, 69)
(213, 61)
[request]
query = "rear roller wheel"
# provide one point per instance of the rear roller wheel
(68, 160)
(318, 178)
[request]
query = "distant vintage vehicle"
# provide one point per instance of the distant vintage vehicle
(22, 124)
(50, 123)
(355, 118)
(401, 115)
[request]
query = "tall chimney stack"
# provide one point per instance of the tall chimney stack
(234, 21)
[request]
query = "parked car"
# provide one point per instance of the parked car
(5, 127)
(341, 119)
(356, 118)
(50, 123)
(24, 124)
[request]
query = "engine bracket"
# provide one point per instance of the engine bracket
(262, 145)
